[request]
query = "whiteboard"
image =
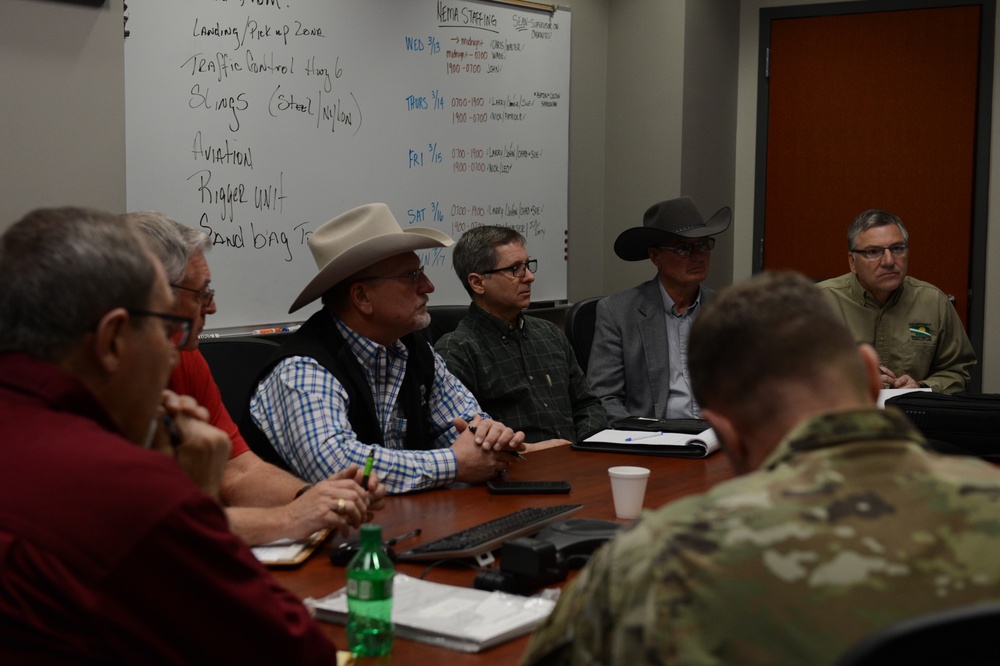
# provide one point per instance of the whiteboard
(259, 120)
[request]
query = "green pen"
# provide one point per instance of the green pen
(369, 463)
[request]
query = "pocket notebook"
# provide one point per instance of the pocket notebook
(674, 444)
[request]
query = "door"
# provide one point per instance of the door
(876, 109)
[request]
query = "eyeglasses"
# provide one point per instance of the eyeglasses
(178, 328)
(518, 270)
(206, 296)
(700, 245)
(876, 253)
(412, 276)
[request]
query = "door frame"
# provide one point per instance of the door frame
(983, 133)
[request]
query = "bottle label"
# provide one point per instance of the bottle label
(369, 590)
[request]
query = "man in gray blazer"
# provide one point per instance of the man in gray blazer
(638, 361)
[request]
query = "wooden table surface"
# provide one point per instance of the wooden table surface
(444, 511)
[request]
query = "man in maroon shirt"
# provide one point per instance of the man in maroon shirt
(110, 553)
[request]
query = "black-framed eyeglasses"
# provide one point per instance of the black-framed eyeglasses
(178, 328)
(518, 270)
(876, 253)
(205, 296)
(412, 276)
(700, 245)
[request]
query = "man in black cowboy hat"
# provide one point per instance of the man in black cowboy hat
(638, 362)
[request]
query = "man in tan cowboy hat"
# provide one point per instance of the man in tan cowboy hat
(354, 382)
(638, 362)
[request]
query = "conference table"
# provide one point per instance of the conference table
(444, 511)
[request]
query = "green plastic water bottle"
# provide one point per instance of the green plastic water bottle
(369, 597)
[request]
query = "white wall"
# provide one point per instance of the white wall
(62, 139)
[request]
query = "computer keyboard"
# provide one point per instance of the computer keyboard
(488, 536)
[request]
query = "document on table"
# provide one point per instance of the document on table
(680, 445)
(885, 394)
(288, 552)
(459, 618)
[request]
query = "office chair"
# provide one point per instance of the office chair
(444, 319)
(962, 636)
(235, 363)
(580, 321)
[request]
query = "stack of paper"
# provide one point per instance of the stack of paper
(459, 618)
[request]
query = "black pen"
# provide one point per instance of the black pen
(172, 430)
(516, 454)
(402, 537)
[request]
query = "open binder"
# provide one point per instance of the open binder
(673, 444)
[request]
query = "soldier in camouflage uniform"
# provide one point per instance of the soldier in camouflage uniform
(847, 524)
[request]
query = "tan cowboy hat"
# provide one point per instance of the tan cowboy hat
(357, 239)
(674, 219)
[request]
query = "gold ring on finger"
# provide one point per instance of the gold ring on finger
(341, 505)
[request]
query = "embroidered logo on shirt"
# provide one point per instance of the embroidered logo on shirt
(920, 331)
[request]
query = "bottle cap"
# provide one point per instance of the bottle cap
(371, 536)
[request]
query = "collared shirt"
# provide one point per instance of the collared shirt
(851, 524)
(680, 403)
(91, 523)
(526, 376)
(302, 409)
(917, 332)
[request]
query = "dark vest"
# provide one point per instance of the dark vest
(320, 339)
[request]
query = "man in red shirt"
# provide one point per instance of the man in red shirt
(263, 502)
(111, 554)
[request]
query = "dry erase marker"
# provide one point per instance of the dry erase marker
(369, 463)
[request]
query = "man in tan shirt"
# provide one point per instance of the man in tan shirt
(912, 325)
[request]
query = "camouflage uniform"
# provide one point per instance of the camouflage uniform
(851, 524)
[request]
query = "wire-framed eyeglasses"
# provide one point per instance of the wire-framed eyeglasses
(205, 296)
(518, 270)
(876, 253)
(412, 276)
(700, 245)
(178, 328)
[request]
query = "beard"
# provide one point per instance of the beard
(422, 321)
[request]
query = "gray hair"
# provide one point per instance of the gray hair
(62, 269)
(873, 217)
(475, 251)
(171, 242)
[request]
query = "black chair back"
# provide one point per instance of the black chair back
(957, 637)
(235, 363)
(580, 321)
(444, 319)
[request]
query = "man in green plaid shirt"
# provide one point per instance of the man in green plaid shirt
(521, 369)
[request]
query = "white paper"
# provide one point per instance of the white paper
(705, 438)
(885, 394)
(459, 618)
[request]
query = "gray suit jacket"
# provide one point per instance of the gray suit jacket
(629, 362)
